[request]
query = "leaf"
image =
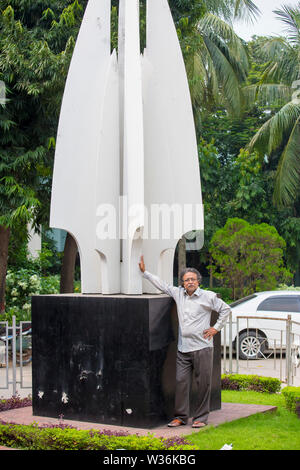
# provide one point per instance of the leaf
(287, 183)
(271, 134)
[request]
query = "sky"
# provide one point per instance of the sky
(266, 24)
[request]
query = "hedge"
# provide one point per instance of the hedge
(250, 382)
(14, 402)
(34, 437)
(292, 398)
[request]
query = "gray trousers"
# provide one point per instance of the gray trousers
(200, 362)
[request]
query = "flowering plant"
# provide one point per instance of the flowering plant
(20, 286)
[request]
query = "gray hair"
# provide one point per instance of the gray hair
(190, 270)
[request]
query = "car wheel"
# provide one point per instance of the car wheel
(251, 346)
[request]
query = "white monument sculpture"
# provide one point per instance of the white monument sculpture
(126, 152)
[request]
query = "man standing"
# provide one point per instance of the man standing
(195, 341)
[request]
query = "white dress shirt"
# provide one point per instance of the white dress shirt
(194, 313)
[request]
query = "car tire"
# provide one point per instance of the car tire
(251, 345)
(26, 357)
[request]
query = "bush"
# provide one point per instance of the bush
(61, 437)
(285, 287)
(66, 437)
(250, 382)
(292, 399)
(20, 286)
(14, 402)
(248, 258)
(225, 293)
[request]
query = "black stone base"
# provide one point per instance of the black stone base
(108, 359)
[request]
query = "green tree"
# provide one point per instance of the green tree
(217, 64)
(279, 136)
(216, 58)
(289, 228)
(215, 186)
(252, 175)
(251, 198)
(35, 51)
(248, 258)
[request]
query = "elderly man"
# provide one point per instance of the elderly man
(195, 341)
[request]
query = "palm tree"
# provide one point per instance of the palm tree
(216, 61)
(216, 58)
(280, 135)
(233, 9)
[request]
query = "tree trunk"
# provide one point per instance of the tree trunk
(68, 266)
(4, 242)
(211, 279)
(181, 257)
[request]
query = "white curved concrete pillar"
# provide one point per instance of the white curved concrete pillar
(107, 241)
(133, 146)
(172, 178)
(73, 203)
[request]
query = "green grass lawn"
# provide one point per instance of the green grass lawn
(278, 430)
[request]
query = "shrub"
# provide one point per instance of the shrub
(225, 293)
(20, 286)
(250, 382)
(285, 287)
(48, 437)
(292, 399)
(22, 436)
(14, 402)
(247, 257)
(68, 438)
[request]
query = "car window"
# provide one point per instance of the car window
(281, 303)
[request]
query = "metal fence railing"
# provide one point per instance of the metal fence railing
(15, 354)
(275, 342)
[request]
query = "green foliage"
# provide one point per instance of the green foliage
(290, 230)
(235, 186)
(217, 64)
(20, 286)
(35, 438)
(29, 276)
(35, 51)
(247, 257)
(231, 133)
(24, 282)
(278, 137)
(187, 12)
(214, 185)
(251, 195)
(225, 293)
(286, 287)
(241, 186)
(250, 382)
(292, 397)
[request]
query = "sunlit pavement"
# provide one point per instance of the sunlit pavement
(262, 367)
(23, 391)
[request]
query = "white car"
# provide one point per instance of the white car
(262, 322)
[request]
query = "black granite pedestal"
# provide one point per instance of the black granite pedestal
(108, 359)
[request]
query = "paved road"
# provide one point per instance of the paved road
(263, 367)
(26, 382)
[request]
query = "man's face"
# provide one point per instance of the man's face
(190, 282)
